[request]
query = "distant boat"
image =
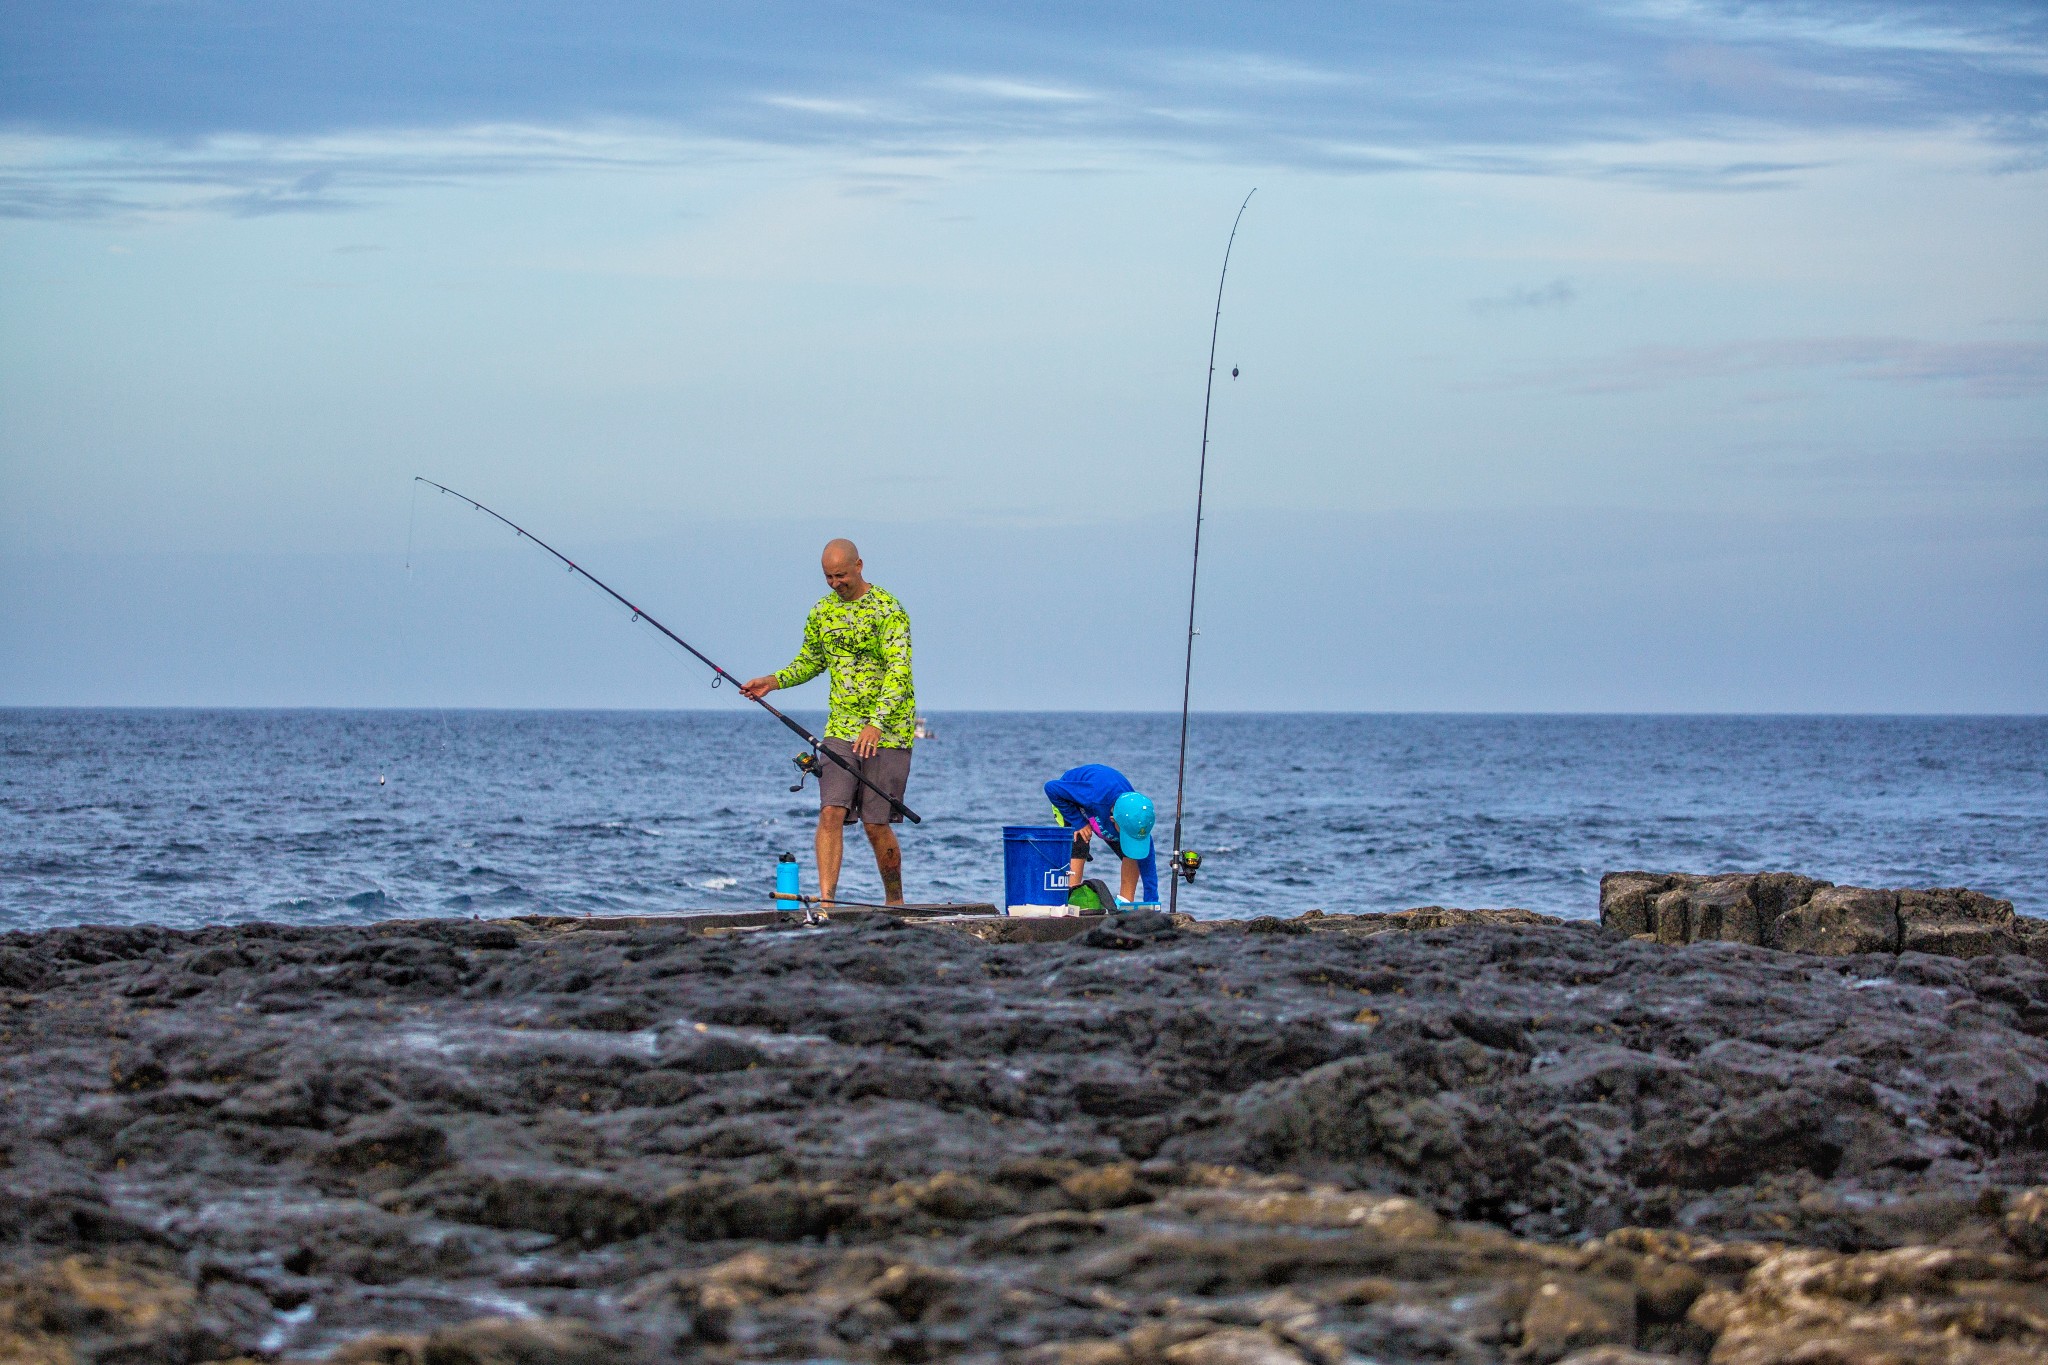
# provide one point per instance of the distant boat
(924, 729)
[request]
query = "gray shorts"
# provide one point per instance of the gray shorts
(889, 769)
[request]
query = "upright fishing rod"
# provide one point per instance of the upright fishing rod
(1186, 861)
(808, 763)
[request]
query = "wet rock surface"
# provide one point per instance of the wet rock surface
(1444, 1135)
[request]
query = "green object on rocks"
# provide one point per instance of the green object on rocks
(1093, 894)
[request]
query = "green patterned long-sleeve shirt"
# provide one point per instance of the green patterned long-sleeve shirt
(865, 644)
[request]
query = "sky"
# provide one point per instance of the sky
(1654, 355)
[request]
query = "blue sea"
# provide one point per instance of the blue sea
(194, 817)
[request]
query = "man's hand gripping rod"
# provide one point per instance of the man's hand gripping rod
(807, 762)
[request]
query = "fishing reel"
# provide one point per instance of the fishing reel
(1186, 864)
(806, 766)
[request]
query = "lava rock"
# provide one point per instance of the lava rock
(1443, 1133)
(1801, 914)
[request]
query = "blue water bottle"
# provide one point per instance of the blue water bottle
(787, 889)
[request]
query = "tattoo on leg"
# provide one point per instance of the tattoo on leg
(888, 861)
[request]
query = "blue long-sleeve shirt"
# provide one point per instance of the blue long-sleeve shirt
(1089, 792)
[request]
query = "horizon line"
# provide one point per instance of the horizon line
(203, 707)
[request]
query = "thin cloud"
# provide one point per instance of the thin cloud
(2011, 34)
(90, 180)
(1419, 75)
(1988, 368)
(825, 108)
(884, 184)
(313, 192)
(1976, 463)
(42, 197)
(1743, 74)
(1010, 91)
(1736, 176)
(1248, 70)
(1555, 294)
(1590, 92)
(83, 180)
(1690, 167)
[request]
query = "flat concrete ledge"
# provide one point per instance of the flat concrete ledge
(707, 921)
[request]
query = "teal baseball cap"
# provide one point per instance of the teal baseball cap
(1133, 816)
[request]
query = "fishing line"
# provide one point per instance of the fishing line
(411, 520)
(807, 764)
(652, 645)
(657, 652)
(405, 599)
(1186, 861)
(434, 718)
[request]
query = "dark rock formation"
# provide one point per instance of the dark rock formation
(1799, 914)
(1453, 1135)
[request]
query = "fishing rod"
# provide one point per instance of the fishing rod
(807, 764)
(1186, 862)
(816, 907)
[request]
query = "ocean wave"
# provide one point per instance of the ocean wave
(365, 905)
(595, 902)
(504, 896)
(163, 876)
(608, 829)
(43, 865)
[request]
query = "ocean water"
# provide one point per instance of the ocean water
(192, 817)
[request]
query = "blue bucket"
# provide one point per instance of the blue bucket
(1036, 859)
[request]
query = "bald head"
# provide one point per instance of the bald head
(841, 563)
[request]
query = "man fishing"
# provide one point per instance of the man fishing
(1097, 799)
(861, 635)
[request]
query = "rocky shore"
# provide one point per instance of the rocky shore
(1806, 915)
(1441, 1135)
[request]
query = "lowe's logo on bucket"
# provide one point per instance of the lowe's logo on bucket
(1055, 881)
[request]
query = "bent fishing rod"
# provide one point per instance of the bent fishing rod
(807, 764)
(1186, 861)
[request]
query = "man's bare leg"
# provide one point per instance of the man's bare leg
(888, 862)
(831, 848)
(1130, 879)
